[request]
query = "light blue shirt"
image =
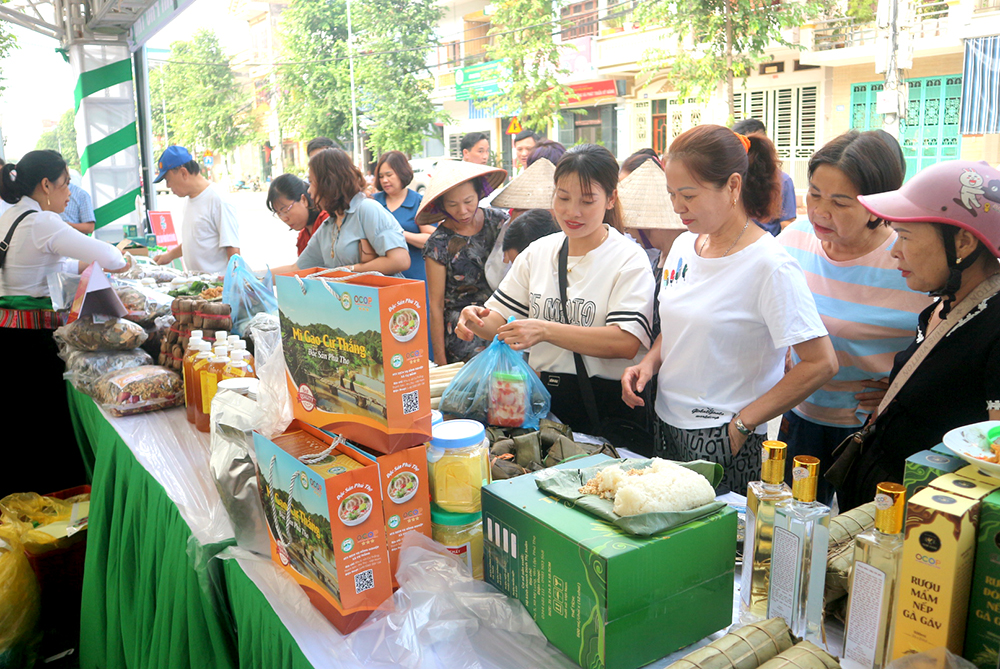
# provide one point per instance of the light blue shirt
(80, 208)
(364, 219)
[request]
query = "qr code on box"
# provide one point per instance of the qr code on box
(364, 581)
(411, 402)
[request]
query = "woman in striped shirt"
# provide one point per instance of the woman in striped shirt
(861, 296)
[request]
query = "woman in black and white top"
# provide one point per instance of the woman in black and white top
(41, 244)
(609, 294)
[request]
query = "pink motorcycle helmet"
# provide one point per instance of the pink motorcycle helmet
(962, 193)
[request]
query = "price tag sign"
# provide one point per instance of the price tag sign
(162, 225)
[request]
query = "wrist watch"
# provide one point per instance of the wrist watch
(740, 427)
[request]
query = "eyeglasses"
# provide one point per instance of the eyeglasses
(279, 213)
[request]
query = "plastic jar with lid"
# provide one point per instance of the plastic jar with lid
(458, 465)
(462, 534)
(436, 417)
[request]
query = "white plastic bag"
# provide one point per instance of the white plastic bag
(442, 617)
(937, 658)
(273, 400)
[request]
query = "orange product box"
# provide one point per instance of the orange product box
(324, 514)
(357, 358)
(406, 501)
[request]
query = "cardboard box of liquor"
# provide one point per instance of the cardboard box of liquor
(935, 574)
(966, 487)
(606, 598)
(406, 500)
(324, 516)
(923, 467)
(982, 638)
(977, 474)
(356, 351)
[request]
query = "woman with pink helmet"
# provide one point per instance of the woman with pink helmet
(948, 221)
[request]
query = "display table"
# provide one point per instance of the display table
(157, 590)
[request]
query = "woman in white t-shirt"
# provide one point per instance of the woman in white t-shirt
(732, 301)
(609, 296)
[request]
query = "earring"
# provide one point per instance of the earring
(48, 202)
(958, 261)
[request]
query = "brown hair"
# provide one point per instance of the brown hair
(398, 164)
(338, 180)
(594, 164)
(713, 153)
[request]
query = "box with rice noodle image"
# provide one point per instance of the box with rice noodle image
(356, 351)
(605, 597)
(323, 508)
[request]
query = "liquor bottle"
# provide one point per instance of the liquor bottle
(798, 555)
(872, 606)
(194, 348)
(762, 496)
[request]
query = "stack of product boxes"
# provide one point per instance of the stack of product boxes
(356, 352)
(949, 585)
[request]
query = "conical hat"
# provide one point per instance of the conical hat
(645, 202)
(531, 189)
(447, 175)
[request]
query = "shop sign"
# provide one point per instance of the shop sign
(162, 225)
(592, 90)
(478, 81)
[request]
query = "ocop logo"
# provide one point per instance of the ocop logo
(929, 561)
(363, 300)
(347, 545)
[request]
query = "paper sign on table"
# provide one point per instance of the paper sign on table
(95, 296)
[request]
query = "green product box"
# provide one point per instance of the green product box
(923, 467)
(982, 637)
(606, 598)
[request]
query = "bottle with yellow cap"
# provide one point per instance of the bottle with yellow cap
(798, 555)
(762, 498)
(877, 556)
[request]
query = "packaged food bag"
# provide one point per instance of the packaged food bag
(139, 390)
(20, 601)
(246, 294)
(83, 368)
(102, 333)
(355, 346)
(497, 387)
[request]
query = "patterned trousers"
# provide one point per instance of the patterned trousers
(712, 444)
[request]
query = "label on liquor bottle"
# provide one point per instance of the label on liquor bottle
(799, 473)
(883, 502)
(746, 574)
(784, 575)
(864, 617)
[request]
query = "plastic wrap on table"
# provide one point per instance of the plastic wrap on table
(84, 368)
(139, 390)
(937, 658)
(62, 289)
(497, 387)
(246, 294)
(234, 471)
(101, 333)
(745, 648)
(442, 617)
(803, 655)
(273, 401)
(20, 602)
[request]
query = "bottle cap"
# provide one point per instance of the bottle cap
(197, 334)
(773, 462)
(441, 517)
(220, 336)
(240, 344)
(221, 350)
(457, 434)
(805, 476)
(237, 355)
(890, 505)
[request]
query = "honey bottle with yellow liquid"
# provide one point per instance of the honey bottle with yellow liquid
(236, 367)
(194, 361)
(872, 607)
(458, 465)
(208, 382)
(762, 497)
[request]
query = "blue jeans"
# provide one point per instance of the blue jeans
(805, 437)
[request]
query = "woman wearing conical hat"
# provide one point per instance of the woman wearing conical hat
(455, 254)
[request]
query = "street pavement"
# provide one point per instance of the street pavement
(264, 240)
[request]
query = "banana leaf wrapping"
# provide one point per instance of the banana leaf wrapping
(803, 655)
(840, 555)
(746, 648)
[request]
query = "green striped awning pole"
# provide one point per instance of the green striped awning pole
(114, 141)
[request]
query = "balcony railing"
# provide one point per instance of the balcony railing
(842, 33)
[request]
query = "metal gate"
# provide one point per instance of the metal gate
(930, 131)
(790, 116)
(671, 117)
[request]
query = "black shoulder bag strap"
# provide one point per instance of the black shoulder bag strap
(586, 389)
(5, 244)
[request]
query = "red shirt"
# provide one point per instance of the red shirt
(305, 234)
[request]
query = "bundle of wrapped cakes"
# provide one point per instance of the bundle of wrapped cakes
(662, 487)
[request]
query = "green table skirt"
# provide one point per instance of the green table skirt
(144, 603)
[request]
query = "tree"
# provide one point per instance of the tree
(62, 138)
(522, 38)
(8, 42)
(730, 36)
(392, 89)
(205, 106)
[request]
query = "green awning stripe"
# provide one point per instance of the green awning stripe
(108, 146)
(102, 77)
(115, 209)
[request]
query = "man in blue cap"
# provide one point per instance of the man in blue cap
(210, 234)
